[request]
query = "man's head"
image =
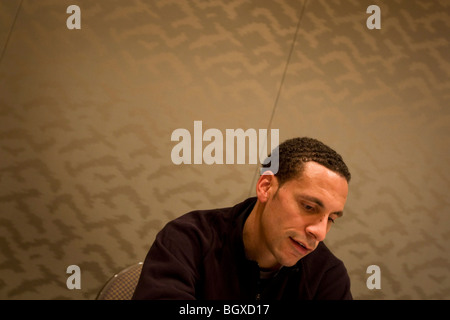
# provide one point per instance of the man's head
(297, 206)
(294, 153)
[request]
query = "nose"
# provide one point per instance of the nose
(318, 229)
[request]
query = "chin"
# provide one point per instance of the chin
(289, 262)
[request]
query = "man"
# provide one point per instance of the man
(267, 247)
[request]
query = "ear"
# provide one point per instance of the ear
(266, 183)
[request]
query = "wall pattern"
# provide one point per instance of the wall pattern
(86, 118)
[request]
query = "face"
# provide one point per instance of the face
(299, 214)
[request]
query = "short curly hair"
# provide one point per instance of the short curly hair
(293, 153)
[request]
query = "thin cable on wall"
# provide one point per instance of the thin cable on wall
(10, 31)
(283, 77)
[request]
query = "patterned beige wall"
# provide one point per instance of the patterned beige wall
(86, 117)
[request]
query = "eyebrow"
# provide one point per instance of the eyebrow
(319, 203)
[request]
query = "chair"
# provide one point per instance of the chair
(121, 286)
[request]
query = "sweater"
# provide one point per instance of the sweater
(201, 255)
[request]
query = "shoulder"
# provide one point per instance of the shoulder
(201, 219)
(326, 274)
(198, 226)
(321, 256)
(207, 223)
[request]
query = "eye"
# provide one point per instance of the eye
(308, 208)
(331, 219)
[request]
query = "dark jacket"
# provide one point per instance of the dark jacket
(200, 255)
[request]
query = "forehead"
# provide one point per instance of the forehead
(319, 181)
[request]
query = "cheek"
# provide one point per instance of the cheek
(272, 223)
(280, 218)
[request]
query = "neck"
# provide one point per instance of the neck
(255, 244)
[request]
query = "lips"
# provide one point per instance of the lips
(300, 246)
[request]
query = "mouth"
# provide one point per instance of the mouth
(300, 246)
